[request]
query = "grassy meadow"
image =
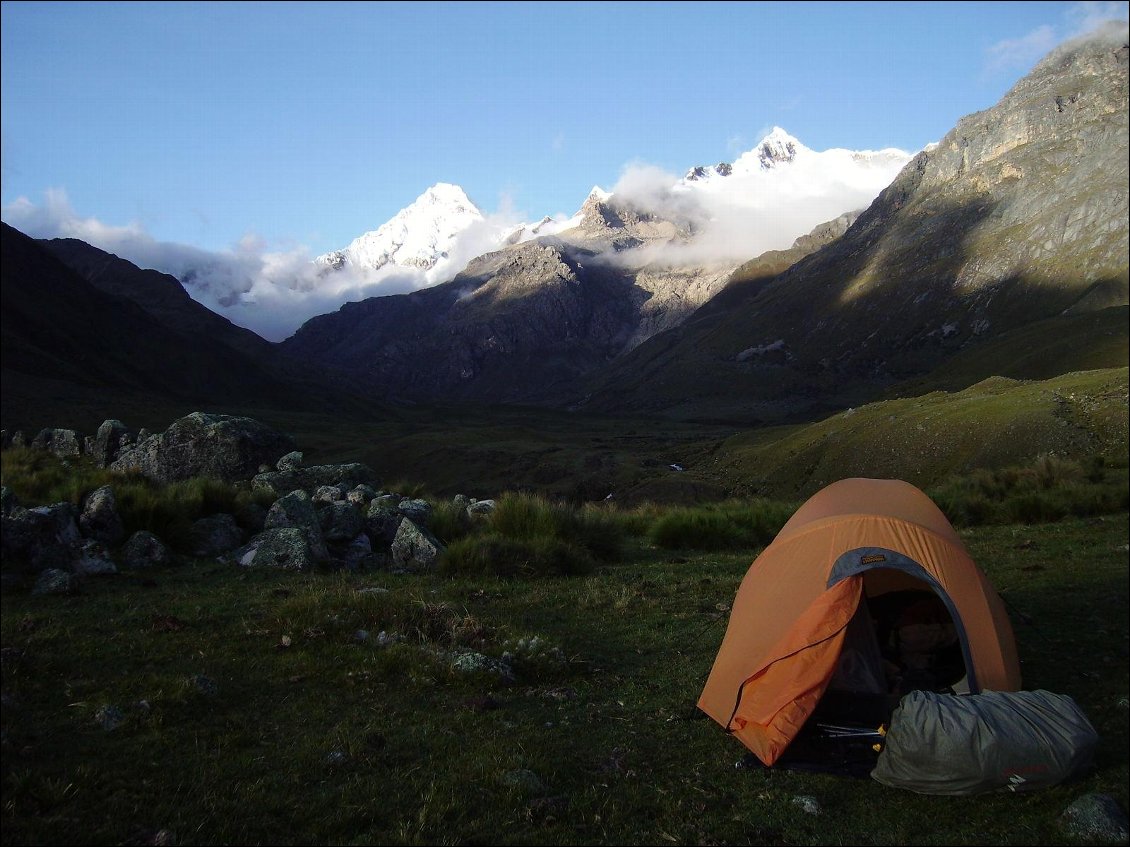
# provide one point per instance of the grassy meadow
(538, 688)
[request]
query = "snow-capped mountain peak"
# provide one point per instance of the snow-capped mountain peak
(420, 236)
(777, 147)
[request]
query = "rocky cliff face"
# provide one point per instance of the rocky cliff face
(1018, 215)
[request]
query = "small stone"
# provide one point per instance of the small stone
(807, 804)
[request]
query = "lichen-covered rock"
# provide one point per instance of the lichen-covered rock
(61, 442)
(414, 549)
(481, 508)
(328, 494)
(145, 550)
(311, 478)
(297, 510)
(54, 581)
(100, 519)
(8, 500)
(217, 446)
(417, 510)
(40, 538)
(285, 547)
(292, 461)
(362, 496)
(381, 523)
(1096, 817)
(215, 535)
(93, 560)
(108, 442)
(340, 521)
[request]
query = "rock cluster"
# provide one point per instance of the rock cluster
(332, 516)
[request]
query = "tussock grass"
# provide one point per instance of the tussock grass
(528, 535)
(1050, 489)
(731, 525)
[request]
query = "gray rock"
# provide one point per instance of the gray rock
(109, 717)
(286, 548)
(310, 478)
(481, 508)
(8, 500)
(215, 535)
(40, 538)
(414, 549)
(417, 510)
(292, 461)
(61, 442)
(328, 494)
(381, 523)
(1097, 817)
(19, 439)
(107, 443)
(145, 550)
(100, 519)
(54, 581)
(93, 560)
(297, 510)
(807, 804)
(361, 495)
(341, 521)
(206, 445)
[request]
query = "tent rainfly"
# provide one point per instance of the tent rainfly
(867, 591)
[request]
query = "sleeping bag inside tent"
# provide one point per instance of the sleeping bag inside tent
(865, 594)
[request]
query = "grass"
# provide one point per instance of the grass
(467, 706)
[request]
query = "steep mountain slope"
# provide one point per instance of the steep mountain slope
(1019, 215)
(526, 323)
(58, 330)
(161, 295)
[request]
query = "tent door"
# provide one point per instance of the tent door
(776, 700)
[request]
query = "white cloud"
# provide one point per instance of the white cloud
(1021, 53)
(269, 292)
(737, 217)
(1079, 19)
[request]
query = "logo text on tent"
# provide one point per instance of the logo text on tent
(872, 558)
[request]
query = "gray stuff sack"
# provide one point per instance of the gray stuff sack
(969, 744)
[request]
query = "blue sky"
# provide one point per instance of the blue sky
(281, 126)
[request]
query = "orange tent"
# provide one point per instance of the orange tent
(849, 546)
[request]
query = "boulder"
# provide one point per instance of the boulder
(340, 521)
(40, 538)
(215, 535)
(1096, 817)
(100, 519)
(381, 523)
(61, 442)
(108, 442)
(93, 560)
(282, 547)
(8, 500)
(296, 510)
(218, 446)
(416, 510)
(311, 478)
(414, 549)
(292, 461)
(328, 494)
(361, 495)
(54, 581)
(144, 550)
(481, 508)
